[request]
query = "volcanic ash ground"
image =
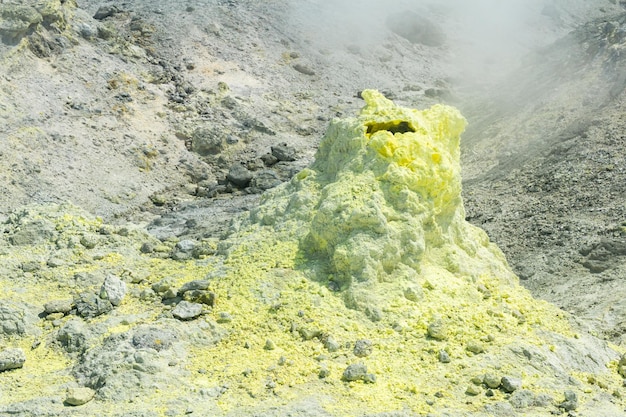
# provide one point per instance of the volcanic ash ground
(357, 288)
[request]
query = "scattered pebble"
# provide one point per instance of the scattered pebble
(58, 306)
(510, 384)
(331, 344)
(492, 381)
(79, 396)
(284, 152)
(113, 289)
(89, 305)
(363, 348)
(443, 356)
(200, 284)
(358, 372)
(324, 372)
(571, 401)
(475, 347)
(303, 69)
(239, 175)
(437, 330)
(186, 310)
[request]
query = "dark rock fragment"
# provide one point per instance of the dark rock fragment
(265, 180)
(239, 175)
(89, 305)
(358, 372)
(106, 11)
(304, 69)
(269, 159)
(571, 401)
(284, 152)
(363, 348)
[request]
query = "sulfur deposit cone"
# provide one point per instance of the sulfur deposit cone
(378, 296)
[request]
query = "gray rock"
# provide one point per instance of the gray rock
(239, 175)
(186, 245)
(621, 367)
(11, 321)
(475, 347)
(304, 69)
(31, 266)
(147, 247)
(473, 390)
(331, 344)
(89, 241)
(17, 21)
(12, 359)
(206, 141)
(265, 180)
(510, 384)
(113, 289)
(17, 319)
(437, 330)
(358, 372)
(58, 306)
(31, 233)
(443, 356)
(200, 296)
(55, 262)
(186, 310)
(225, 317)
(89, 305)
(492, 381)
(106, 11)
(87, 31)
(269, 159)
(199, 284)
(79, 395)
(413, 293)
(522, 399)
(363, 348)
(284, 152)
(161, 286)
(73, 336)
(571, 401)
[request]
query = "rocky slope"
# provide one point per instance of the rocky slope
(551, 150)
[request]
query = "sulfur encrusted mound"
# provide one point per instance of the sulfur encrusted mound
(381, 207)
(377, 223)
(357, 288)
